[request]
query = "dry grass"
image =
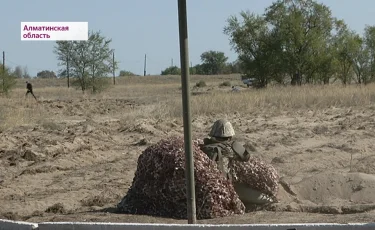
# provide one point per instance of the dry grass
(159, 97)
(102, 199)
(56, 208)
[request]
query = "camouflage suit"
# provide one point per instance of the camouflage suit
(221, 149)
(224, 151)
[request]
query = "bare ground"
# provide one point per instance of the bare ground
(78, 165)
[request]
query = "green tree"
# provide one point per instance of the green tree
(213, 62)
(232, 67)
(89, 61)
(7, 79)
(46, 74)
(253, 41)
(62, 73)
(361, 60)
(303, 26)
(198, 69)
(173, 70)
(286, 42)
(325, 64)
(124, 73)
(63, 51)
(347, 45)
(369, 39)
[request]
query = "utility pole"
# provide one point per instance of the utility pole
(189, 160)
(144, 68)
(67, 70)
(113, 61)
(3, 71)
(172, 62)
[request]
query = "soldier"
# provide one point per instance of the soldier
(29, 88)
(222, 149)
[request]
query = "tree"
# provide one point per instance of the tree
(62, 73)
(233, 67)
(173, 70)
(369, 39)
(89, 61)
(124, 73)
(292, 41)
(198, 69)
(26, 74)
(18, 72)
(46, 74)
(255, 45)
(325, 64)
(7, 79)
(213, 62)
(303, 27)
(348, 47)
(63, 50)
(361, 60)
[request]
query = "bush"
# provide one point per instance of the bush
(226, 83)
(7, 80)
(124, 73)
(173, 70)
(201, 83)
(96, 85)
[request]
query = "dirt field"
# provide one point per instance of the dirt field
(72, 157)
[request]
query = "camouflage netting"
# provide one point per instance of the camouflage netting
(258, 175)
(159, 188)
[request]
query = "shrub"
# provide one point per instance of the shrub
(226, 83)
(201, 83)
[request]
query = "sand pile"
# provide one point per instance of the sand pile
(158, 187)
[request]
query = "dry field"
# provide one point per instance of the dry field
(73, 156)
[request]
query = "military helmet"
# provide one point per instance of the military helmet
(222, 128)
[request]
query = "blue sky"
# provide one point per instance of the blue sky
(140, 27)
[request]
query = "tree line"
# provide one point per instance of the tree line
(293, 42)
(300, 42)
(212, 63)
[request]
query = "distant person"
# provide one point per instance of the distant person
(29, 88)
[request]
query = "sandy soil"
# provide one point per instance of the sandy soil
(78, 168)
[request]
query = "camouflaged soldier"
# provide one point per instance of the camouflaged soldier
(222, 149)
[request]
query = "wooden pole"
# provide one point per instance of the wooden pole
(113, 60)
(3, 71)
(67, 71)
(144, 67)
(184, 57)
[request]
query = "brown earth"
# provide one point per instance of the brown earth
(77, 167)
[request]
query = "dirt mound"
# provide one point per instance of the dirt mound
(76, 151)
(86, 106)
(337, 189)
(159, 188)
(365, 165)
